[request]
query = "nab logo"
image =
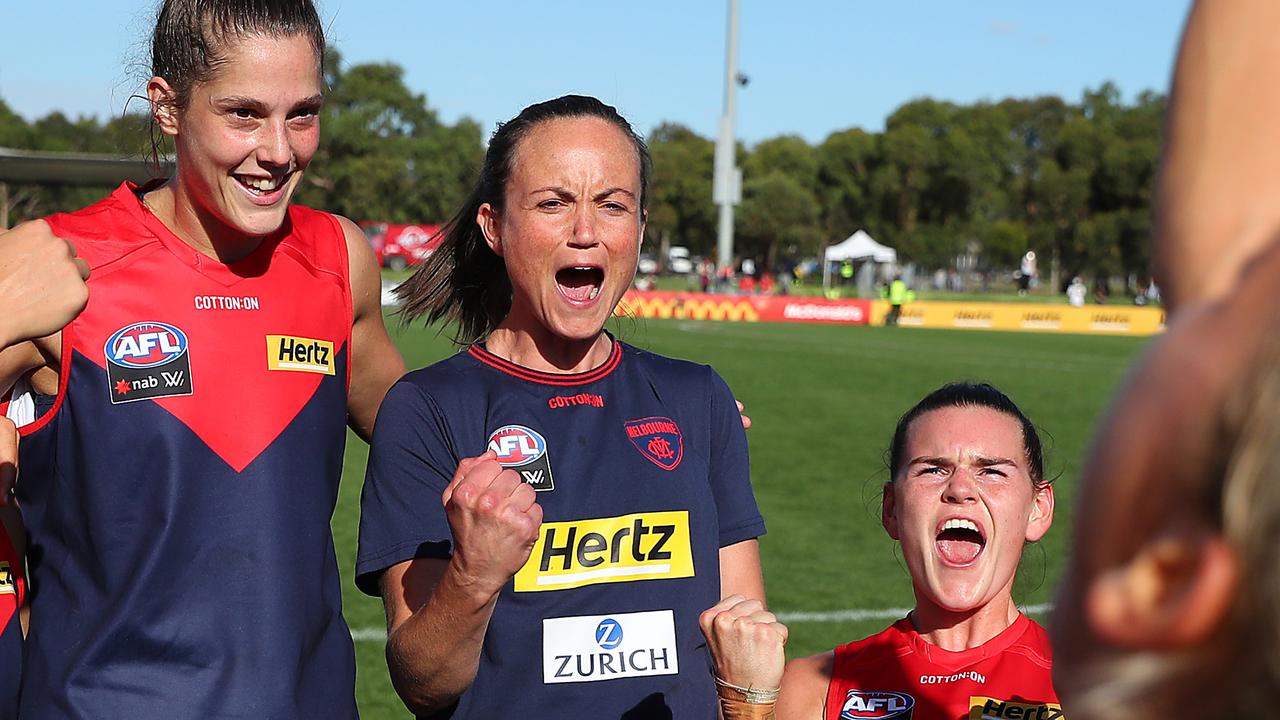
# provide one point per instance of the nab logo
(609, 634)
(864, 705)
(146, 345)
(525, 451)
(147, 360)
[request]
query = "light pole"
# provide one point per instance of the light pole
(726, 187)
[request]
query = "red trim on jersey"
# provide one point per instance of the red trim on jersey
(64, 375)
(546, 378)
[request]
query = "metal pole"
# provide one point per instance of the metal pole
(727, 184)
(4, 206)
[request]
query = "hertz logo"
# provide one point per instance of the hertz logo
(985, 708)
(297, 354)
(688, 309)
(627, 548)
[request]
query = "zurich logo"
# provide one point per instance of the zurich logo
(517, 445)
(609, 634)
(144, 345)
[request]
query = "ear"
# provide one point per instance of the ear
(889, 511)
(1172, 594)
(164, 105)
(1041, 514)
(491, 226)
(644, 222)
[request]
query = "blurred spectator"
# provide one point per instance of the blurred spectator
(1076, 292)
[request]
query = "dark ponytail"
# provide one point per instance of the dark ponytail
(466, 282)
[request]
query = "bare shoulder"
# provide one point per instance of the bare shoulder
(366, 281)
(804, 687)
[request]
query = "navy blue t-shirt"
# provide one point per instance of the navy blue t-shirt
(642, 473)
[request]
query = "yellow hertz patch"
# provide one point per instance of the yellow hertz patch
(627, 548)
(6, 579)
(298, 354)
(985, 708)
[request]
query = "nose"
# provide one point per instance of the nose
(584, 226)
(960, 488)
(274, 149)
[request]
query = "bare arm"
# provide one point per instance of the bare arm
(1218, 201)
(375, 362)
(804, 687)
(438, 610)
(740, 570)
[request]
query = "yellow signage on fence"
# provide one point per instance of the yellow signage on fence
(1092, 319)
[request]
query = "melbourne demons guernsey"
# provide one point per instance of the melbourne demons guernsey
(178, 495)
(640, 466)
(898, 674)
(12, 589)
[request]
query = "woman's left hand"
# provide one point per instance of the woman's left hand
(746, 642)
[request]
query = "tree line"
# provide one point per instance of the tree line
(970, 186)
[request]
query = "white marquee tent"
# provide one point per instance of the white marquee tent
(858, 246)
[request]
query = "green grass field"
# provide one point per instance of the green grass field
(824, 400)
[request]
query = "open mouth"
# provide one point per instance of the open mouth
(960, 541)
(580, 283)
(261, 185)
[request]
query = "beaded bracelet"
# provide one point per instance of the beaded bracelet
(751, 696)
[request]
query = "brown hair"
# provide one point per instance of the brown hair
(465, 281)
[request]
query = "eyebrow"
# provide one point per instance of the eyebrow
(980, 461)
(258, 105)
(565, 193)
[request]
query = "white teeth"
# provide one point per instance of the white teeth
(594, 292)
(262, 184)
(958, 524)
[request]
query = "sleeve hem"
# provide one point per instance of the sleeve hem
(752, 528)
(370, 566)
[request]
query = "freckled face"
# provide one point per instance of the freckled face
(571, 230)
(963, 506)
(247, 134)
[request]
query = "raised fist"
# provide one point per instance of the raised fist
(746, 641)
(41, 283)
(494, 517)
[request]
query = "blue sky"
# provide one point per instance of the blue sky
(815, 66)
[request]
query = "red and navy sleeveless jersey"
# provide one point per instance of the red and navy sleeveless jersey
(898, 674)
(641, 469)
(12, 593)
(178, 495)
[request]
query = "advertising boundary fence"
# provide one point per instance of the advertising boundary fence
(1022, 317)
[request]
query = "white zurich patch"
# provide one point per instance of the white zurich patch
(589, 648)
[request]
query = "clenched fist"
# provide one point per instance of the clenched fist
(746, 642)
(41, 283)
(494, 517)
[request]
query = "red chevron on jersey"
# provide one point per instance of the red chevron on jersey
(155, 329)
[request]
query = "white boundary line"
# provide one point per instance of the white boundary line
(373, 634)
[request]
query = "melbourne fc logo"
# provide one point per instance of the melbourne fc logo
(146, 345)
(524, 450)
(866, 705)
(657, 438)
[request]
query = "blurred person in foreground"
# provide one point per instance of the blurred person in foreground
(966, 492)
(1218, 195)
(1170, 606)
(546, 512)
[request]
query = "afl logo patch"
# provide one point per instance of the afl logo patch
(866, 705)
(525, 451)
(147, 360)
(657, 438)
(146, 345)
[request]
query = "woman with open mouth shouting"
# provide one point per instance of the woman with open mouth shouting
(547, 512)
(966, 491)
